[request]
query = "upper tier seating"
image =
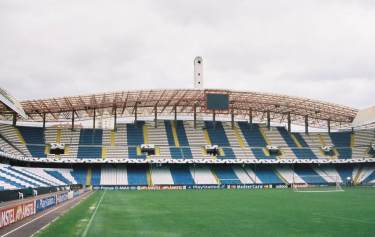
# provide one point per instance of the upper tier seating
(180, 140)
(341, 139)
(90, 143)
(304, 153)
(300, 139)
(179, 144)
(34, 138)
(252, 134)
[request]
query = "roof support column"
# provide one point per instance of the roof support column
(73, 120)
(14, 123)
(329, 125)
(289, 123)
(175, 113)
(135, 112)
(115, 120)
(44, 120)
(214, 116)
(232, 118)
(251, 116)
(93, 119)
(306, 124)
(268, 120)
(195, 115)
(156, 116)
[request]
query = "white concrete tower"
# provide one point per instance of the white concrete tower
(198, 72)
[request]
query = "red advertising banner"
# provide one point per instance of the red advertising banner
(16, 213)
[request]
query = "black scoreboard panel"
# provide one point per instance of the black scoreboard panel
(217, 101)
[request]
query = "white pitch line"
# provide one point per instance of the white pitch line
(93, 215)
(21, 226)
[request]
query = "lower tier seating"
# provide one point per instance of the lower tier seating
(14, 177)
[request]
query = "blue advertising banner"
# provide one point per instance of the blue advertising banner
(61, 197)
(45, 203)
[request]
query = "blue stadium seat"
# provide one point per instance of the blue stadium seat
(259, 154)
(226, 175)
(181, 175)
(135, 133)
(132, 152)
(95, 177)
(304, 153)
(35, 141)
(60, 177)
(309, 175)
(252, 134)
(344, 153)
(287, 138)
(216, 133)
(341, 139)
(267, 175)
(90, 141)
(300, 139)
(137, 175)
(79, 176)
(345, 172)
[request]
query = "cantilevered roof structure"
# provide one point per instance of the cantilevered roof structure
(8, 101)
(242, 105)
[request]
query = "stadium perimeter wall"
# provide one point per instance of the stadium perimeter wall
(13, 213)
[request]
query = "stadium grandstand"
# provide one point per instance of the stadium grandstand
(54, 152)
(60, 149)
(182, 137)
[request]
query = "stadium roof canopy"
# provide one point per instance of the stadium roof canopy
(185, 102)
(11, 103)
(365, 117)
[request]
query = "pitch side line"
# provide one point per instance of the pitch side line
(21, 226)
(93, 215)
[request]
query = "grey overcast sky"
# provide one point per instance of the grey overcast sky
(321, 49)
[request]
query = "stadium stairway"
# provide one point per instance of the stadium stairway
(195, 139)
(158, 137)
(279, 136)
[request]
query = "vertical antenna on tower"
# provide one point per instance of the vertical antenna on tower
(198, 72)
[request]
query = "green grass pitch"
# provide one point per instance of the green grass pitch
(220, 213)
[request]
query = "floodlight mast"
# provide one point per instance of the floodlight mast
(198, 72)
